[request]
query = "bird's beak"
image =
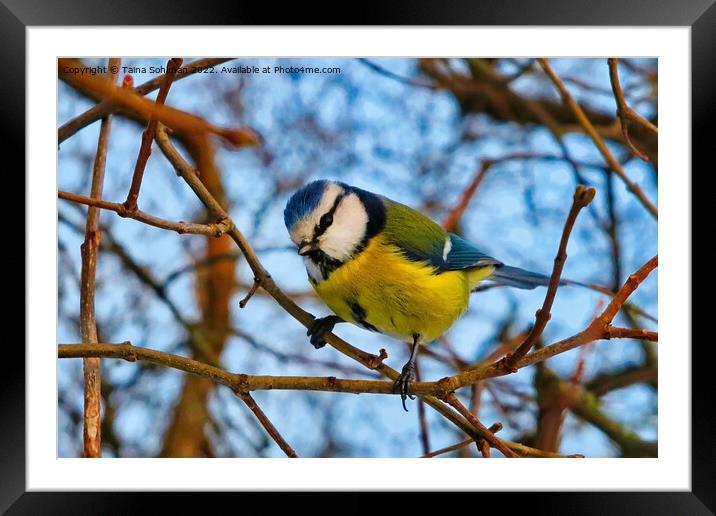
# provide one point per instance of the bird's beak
(304, 249)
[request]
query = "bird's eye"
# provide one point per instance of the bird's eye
(326, 220)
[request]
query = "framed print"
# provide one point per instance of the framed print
(390, 257)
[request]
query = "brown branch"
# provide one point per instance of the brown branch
(244, 384)
(610, 228)
(625, 112)
(422, 417)
(591, 131)
(607, 382)
(238, 382)
(120, 209)
(486, 433)
(485, 91)
(249, 294)
(92, 418)
(451, 221)
(106, 108)
(632, 333)
(448, 449)
(582, 197)
(627, 289)
(145, 149)
(268, 426)
(586, 407)
(597, 329)
(178, 120)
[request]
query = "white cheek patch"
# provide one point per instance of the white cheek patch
(329, 197)
(348, 229)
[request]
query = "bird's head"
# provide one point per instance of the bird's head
(330, 220)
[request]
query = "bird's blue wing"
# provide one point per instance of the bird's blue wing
(461, 254)
(423, 240)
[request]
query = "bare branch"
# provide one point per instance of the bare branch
(485, 432)
(106, 108)
(145, 149)
(244, 384)
(92, 418)
(451, 221)
(589, 129)
(130, 100)
(268, 426)
(582, 197)
(624, 112)
(597, 329)
(120, 209)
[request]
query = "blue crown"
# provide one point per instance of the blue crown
(303, 202)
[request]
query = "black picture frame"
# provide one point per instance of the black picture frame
(17, 15)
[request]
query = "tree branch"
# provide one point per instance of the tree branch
(268, 426)
(582, 197)
(597, 329)
(242, 384)
(624, 112)
(92, 418)
(178, 120)
(145, 149)
(106, 108)
(120, 209)
(451, 221)
(589, 129)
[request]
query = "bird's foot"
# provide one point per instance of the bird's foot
(319, 327)
(402, 384)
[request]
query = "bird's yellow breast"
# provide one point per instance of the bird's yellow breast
(381, 289)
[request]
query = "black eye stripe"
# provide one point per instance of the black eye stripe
(327, 218)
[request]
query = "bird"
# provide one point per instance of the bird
(387, 267)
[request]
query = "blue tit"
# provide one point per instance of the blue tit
(386, 267)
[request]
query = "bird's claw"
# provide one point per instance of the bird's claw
(402, 384)
(319, 327)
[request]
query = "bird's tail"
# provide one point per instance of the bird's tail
(521, 278)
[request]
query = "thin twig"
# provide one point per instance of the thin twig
(592, 132)
(451, 221)
(422, 418)
(392, 75)
(611, 229)
(254, 287)
(120, 209)
(448, 449)
(237, 382)
(106, 108)
(582, 197)
(268, 426)
(625, 112)
(597, 329)
(486, 433)
(92, 418)
(128, 99)
(145, 149)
